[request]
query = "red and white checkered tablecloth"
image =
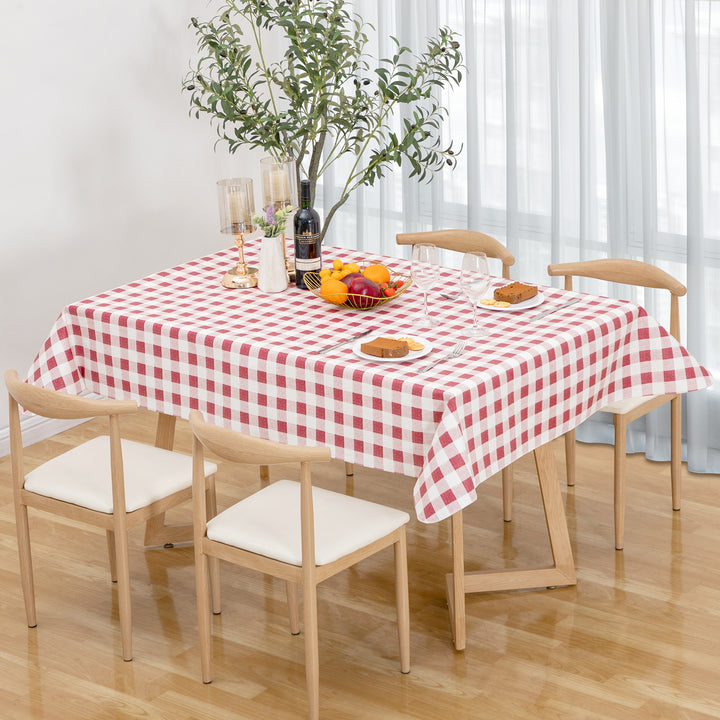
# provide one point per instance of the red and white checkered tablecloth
(177, 340)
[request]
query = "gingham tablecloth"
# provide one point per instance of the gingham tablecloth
(177, 340)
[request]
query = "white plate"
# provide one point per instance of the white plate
(412, 355)
(516, 307)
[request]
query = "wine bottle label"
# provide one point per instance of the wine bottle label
(309, 264)
(307, 238)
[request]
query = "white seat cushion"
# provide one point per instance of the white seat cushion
(82, 475)
(623, 407)
(268, 523)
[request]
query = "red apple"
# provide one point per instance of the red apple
(364, 293)
(350, 277)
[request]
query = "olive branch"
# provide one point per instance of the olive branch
(325, 99)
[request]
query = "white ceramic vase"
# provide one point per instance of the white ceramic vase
(272, 276)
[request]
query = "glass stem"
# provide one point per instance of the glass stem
(425, 294)
(475, 325)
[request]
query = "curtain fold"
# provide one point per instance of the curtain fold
(589, 130)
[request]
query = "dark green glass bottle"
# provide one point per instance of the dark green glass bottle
(308, 256)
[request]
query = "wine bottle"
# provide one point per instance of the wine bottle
(308, 256)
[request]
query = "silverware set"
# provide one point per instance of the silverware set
(456, 352)
(544, 313)
(349, 340)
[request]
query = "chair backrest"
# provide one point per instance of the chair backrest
(462, 241)
(58, 405)
(626, 272)
(239, 448)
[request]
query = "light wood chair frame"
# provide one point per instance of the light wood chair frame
(639, 274)
(463, 241)
(242, 449)
(57, 405)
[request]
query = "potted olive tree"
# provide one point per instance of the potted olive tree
(326, 98)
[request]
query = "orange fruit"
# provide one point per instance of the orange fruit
(334, 291)
(377, 273)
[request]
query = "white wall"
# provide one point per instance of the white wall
(104, 177)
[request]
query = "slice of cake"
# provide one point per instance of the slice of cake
(386, 347)
(515, 292)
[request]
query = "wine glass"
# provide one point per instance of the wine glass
(425, 274)
(474, 282)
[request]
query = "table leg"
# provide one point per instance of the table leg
(456, 583)
(562, 572)
(165, 432)
(156, 531)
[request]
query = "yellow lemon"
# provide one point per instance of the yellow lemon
(338, 264)
(325, 273)
(351, 267)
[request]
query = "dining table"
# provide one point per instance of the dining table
(177, 340)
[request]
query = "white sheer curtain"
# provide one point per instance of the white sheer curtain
(590, 129)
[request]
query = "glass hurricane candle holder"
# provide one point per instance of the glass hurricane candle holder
(235, 203)
(279, 182)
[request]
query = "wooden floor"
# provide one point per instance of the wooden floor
(639, 637)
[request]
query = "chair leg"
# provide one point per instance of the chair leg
(213, 562)
(123, 588)
(507, 490)
(312, 662)
(110, 535)
(620, 450)
(676, 450)
(349, 479)
(293, 606)
(26, 570)
(402, 600)
(570, 457)
(264, 475)
(202, 592)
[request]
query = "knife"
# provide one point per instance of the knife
(349, 340)
(552, 310)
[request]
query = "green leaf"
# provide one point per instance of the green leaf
(309, 96)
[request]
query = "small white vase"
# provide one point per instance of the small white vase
(272, 276)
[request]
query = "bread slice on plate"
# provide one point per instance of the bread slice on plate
(386, 347)
(515, 292)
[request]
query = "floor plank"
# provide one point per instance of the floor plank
(639, 636)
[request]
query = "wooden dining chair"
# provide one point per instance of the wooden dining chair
(293, 531)
(106, 482)
(462, 241)
(639, 274)
(471, 241)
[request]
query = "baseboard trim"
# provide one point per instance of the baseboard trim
(34, 429)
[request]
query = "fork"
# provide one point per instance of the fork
(457, 351)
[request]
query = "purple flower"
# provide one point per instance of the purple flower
(270, 215)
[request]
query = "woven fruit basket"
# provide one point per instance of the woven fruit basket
(356, 301)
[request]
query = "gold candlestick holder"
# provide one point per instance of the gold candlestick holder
(241, 276)
(235, 202)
